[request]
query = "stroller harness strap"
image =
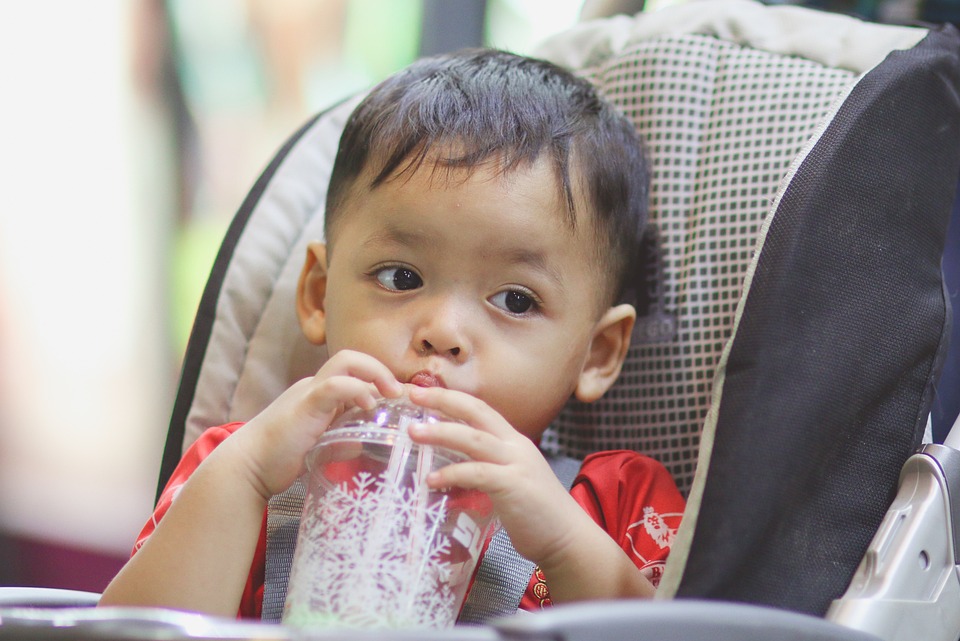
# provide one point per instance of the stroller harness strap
(503, 575)
(499, 583)
(283, 524)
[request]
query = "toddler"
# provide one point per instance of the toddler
(482, 224)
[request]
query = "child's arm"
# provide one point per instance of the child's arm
(199, 556)
(546, 525)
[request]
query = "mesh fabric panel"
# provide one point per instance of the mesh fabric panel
(722, 124)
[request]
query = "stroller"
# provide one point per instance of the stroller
(787, 351)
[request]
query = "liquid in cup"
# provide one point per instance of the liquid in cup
(377, 548)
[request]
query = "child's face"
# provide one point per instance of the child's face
(476, 282)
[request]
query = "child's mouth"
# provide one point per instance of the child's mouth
(426, 379)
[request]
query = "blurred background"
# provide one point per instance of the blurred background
(131, 132)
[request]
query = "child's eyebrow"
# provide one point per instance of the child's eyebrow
(532, 258)
(396, 236)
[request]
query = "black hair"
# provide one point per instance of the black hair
(483, 104)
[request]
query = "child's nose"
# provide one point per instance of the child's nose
(442, 332)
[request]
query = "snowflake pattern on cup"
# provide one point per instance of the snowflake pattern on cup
(376, 557)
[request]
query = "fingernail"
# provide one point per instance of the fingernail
(417, 428)
(416, 391)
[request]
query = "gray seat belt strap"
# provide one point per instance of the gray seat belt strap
(283, 524)
(498, 586)
(503, 575)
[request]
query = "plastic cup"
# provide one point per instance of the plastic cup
(377, 548)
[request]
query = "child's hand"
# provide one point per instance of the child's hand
(211, 530)
(532, 505)
(544, 522)
(275, 442)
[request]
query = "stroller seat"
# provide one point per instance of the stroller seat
(804, 166)
(794, 323)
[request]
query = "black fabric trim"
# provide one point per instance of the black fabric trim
(831, 371)
(206, 311)
(946, 402)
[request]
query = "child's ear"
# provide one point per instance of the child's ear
(608, 349)
(311, 291)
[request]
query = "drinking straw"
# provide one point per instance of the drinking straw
(399, 453)
(416, 554)
(383, 520)
(418, 537)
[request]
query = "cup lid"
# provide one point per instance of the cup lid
(387, 422)
(388, 413)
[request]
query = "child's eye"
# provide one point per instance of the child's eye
(398, 278)
(513, 301)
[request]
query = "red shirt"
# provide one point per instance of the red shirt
(632, 497)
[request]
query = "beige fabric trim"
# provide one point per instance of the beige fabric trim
(833, 40)
(239, 375)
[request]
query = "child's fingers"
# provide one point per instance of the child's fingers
(334, 394)
(470, 475)
(363, 367)
(463, 407)
(474, 443)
